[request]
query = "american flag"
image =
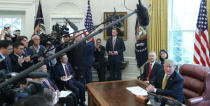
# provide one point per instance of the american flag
(201, 44)
(88, 19)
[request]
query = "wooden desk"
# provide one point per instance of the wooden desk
(113, 93)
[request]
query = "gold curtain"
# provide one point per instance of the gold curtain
(158, 29)
(208, 16)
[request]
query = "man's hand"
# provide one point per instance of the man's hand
(27, 59)
(58, 92)
(150, 88)
(20, 60)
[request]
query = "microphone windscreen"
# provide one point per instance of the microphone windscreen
(38, 74)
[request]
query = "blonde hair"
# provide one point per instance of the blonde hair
(170, 62)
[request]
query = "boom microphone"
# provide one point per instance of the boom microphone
(72, 25)
(142, 14)
(38, 74)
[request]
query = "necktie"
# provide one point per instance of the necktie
(49, 85)
(150, 69)
(114, 41)
(164, 82)
(67, 71)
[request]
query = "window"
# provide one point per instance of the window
(182, 18)
(14, 23)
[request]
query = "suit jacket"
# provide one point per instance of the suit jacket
(99, 55)
(79, 58)
(41, 50)
(90, 47)
(61, 71)
(51, 83)
(28, 52)
(153, 73)
(6, 64)
(173, 86)
(16, 67)
(119, 47)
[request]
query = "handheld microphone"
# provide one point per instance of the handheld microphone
(72, 25)
(142, 14)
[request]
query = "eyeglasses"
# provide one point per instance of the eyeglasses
(21, 48)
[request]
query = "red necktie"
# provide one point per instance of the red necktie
(150, 69)
(114, 41)
(67, 71)
(49, 85)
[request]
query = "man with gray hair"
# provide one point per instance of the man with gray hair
(168, 82)
(150, 68)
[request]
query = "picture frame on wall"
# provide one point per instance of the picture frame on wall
(121, 27)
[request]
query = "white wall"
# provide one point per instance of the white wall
(76, 9)
(26, 6)
(98, 8)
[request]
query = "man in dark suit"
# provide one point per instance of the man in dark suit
(90, 47)
(168, 82)
(79, 59)
(100, 64)
(70, 100)
(150, 68)
(115, 47)
(66, 76)
(5, 50)
(19, 62)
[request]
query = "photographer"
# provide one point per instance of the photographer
(4, 31)
(100, 63)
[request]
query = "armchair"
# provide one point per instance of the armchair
(196, 84)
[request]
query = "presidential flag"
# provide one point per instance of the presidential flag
(39, 21)
(201, 44)
(141, 49)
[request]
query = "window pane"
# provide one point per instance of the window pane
(16, 23)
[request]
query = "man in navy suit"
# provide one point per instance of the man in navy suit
(151, 68)
(66, 75)
(90, 57)
(168, 82)
(115, 47)
(5, 50)
(70, 100)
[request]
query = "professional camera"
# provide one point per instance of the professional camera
(61, 30)
(12, 93)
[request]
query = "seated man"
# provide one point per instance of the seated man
(19, 62)
(66, 76)
(70, 100)
(150, 68)
(168, 82)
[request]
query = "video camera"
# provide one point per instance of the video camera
(12, 93)
(61, 30)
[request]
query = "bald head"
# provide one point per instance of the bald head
(36, 40)
(151, 56)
